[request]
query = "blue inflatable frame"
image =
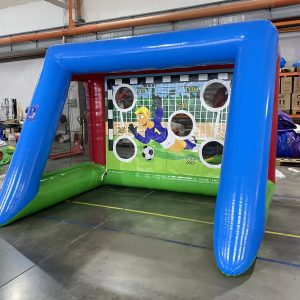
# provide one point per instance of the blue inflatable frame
(253, 49)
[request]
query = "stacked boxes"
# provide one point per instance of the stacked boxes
(289, 96)
(286, 85)
(284, 101)
(296, 96)
(286, 70)
(296, 103)
(286, 89)
(296, 87)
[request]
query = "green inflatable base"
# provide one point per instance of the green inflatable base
(62, 185)
(176, 183)
(163, 181)
(67, 183)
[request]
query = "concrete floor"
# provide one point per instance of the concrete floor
(87, 251)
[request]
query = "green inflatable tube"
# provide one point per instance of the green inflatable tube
(176, 183)
(163, 181)
(61, 185)
(270, 191)
(66, 183)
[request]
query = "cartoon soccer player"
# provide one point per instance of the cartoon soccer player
(155, 131)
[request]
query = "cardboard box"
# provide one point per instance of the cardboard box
(296, 103)
(284, 102)
(296, 85)
(287, 70)
(286, 85)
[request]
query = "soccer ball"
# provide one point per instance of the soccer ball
(148, 152)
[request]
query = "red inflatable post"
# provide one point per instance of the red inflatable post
(272, 159)
(95, 98)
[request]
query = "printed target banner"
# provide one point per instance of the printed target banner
(168, 124)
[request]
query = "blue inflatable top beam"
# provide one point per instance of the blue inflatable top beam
(251, 46)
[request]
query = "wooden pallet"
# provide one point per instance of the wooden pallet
(295, 116)
(289, 74)
(287, 161)
(296, 112)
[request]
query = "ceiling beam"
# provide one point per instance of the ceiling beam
(59, 3)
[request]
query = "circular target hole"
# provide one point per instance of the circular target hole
(124, 97)
(182, 124)
(216, 95)
(211, 153)
(125, 149)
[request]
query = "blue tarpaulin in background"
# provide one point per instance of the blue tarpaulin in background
(288, 141)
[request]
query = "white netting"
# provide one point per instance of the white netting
(175, 96)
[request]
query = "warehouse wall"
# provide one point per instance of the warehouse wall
(96, 10)
(290, 47)
(40, 15)
(29, 17)
(18, 80)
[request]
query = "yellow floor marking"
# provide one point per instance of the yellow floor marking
(283, 234)
(173, 217)
(144, 212)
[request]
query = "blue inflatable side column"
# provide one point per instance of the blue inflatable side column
(240, 212)
(32, 150)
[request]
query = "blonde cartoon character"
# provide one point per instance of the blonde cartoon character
(155, 131)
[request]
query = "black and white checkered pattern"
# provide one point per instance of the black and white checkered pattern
(110, 120)
(167, 78)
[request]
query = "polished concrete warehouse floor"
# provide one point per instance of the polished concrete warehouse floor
(125, 243)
